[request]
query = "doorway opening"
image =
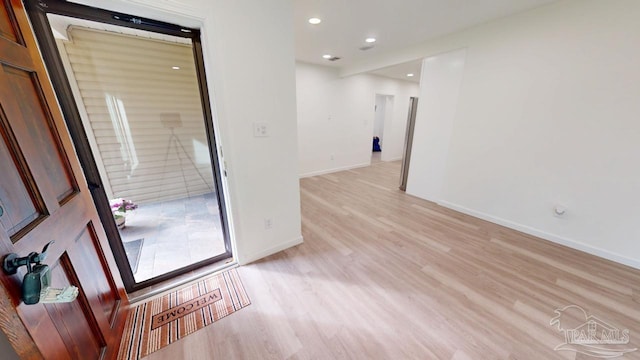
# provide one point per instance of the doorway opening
(383, 116)
(134, 94)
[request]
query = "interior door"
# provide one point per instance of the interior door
(44, 197)
(408, 142)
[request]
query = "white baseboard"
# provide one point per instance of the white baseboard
(244, 260)
(545, 235)
(329, 171)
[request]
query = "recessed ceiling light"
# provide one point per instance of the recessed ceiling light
(314, 21)
(326, 56)
(370, 40)
(409, 74)
(175, 67)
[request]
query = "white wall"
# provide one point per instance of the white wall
(249, 58)
(381, 109)
(547, 113)
(336, 116)
(440, 80)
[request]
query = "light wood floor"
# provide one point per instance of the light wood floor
(383, 275)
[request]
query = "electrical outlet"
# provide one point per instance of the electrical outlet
(268, 224)
(559, 210)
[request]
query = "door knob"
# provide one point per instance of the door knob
(12, 262)
(36, 285)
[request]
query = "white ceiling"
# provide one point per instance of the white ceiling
(396, 24)
(400, 71)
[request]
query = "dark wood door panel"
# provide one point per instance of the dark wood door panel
(74, 330)
(13, 53)
(93, 275)
(20, 204)
(74, 321)
(37, 134)
(42, 330)
(45, 197)
(8, 25)
(56, 226)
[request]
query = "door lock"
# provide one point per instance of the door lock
(36, 285)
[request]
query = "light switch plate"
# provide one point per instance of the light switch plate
(260, 129)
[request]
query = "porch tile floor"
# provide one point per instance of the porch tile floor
(176, 233)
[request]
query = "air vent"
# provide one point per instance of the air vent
(367, 47)
(335, 58)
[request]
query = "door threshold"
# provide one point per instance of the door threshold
(190, 277)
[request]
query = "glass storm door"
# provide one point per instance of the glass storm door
(146, 131)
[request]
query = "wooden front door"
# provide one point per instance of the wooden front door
(44, 197)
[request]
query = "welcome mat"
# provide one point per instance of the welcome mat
(159, 322)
